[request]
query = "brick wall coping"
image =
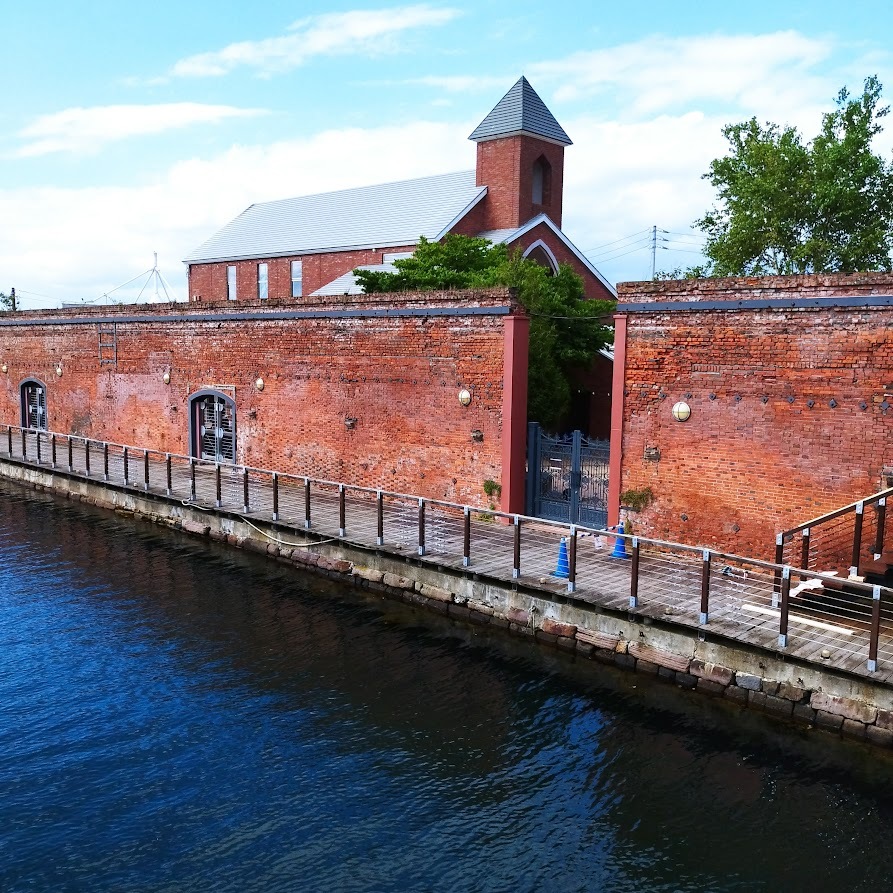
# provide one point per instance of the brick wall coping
(826, 285)
(730, 303)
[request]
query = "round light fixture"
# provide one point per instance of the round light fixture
(681, 411)
(59, 371)
(166, 378)
(259, 384)
(465, 396)
(5, 368)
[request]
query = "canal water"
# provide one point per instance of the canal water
(175, 716)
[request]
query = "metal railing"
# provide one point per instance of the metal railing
(778, 606)
(844, 539)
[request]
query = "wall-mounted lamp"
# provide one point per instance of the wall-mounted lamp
(477, 436)
(4, 368)
(166, 378)
(59, 371)
(350, 422)
(465, 396)
(681, 411)
(259, 384)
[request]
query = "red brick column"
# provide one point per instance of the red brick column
(617, 389)
(514, 413)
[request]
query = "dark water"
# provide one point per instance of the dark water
(178, 717)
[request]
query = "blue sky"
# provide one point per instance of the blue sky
(130, 129)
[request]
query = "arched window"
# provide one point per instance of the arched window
(540, 252)
(542, 181)
(212, 426)
(34, 404)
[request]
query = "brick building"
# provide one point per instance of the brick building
(789, 382)
(308, 246)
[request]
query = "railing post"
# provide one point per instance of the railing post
(879, 533)
(126, 467)
(53, 449)
(70, 454)
(634, 576)
(245, 505)
(38, 445)
(307, 503)
(379, 517)
(572, 560)
(783, 620)
(9, 439)
(421, 526)
(466, 536)
(275, 496)
(875, 628)
(167, 473)
(105, 461)
(25, 447)
(218, 489)
(87, 457)
(779, 558)
(705, 587)
(804, 550)
(857, 538)
(342, 524)
(516, 556)
(146, 469)
(192, 478)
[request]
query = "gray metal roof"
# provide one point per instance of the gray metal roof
(387, 215)
(520, 111)
(346, 284)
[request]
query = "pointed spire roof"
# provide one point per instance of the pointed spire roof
(521, 111)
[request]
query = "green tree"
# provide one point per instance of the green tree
(566, 330)
(5, 302)
(785, 206)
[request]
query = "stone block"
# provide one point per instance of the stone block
(519, 616)
(367, 573)
(553, 627)
(769, 687)
(499, 622)
(736, 694)
(397, 582)
(272, 549)
(627, 661)
(459, 611)
(708, 687)
(828, 720)
(435, 592)
(602, 655)
(845, 707)
(546, 638)
(567, 643)
(878, 736)
(677, 663)
(852, 728)
(195, 528)
(645, 666)
(778, 706)
(711, 672)
(805, 713)
(477, 607)
(520, 629)
(476, 616)
(791, 692)
(597, 639)
(748, 681)
(686, 680)
(666, 673)
(622, 647)
(885, 719)
(584, 648)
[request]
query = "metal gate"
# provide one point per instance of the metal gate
(567, 478)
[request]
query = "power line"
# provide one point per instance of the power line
(597, 248)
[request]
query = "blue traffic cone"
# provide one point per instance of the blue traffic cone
(619, 544)
(562, 568)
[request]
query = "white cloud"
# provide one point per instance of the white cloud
(86, 130)
(360, 31)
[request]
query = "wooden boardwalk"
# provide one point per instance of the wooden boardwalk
(742, 595)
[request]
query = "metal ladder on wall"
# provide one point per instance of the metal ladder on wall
(108, 344)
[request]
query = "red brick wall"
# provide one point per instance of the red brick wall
(207, 282)
(398, 377)
(755, 457)
(505, 167)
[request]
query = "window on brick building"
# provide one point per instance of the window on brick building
(231, 283)
(263, 290)
(542, 181)
(34, 404)
(212, 426)
(395, 255)
(297, 279)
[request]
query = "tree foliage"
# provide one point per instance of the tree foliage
(565, 329)
(785, 206)
(5, 302)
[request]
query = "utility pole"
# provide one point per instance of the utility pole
(653, 250)
(12, 295)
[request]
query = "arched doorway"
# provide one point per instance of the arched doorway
(212, 426)
(33, 395)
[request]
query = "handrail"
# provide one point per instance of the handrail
(837, 513)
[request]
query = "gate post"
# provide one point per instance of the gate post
(533, 468)
(576, 476)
